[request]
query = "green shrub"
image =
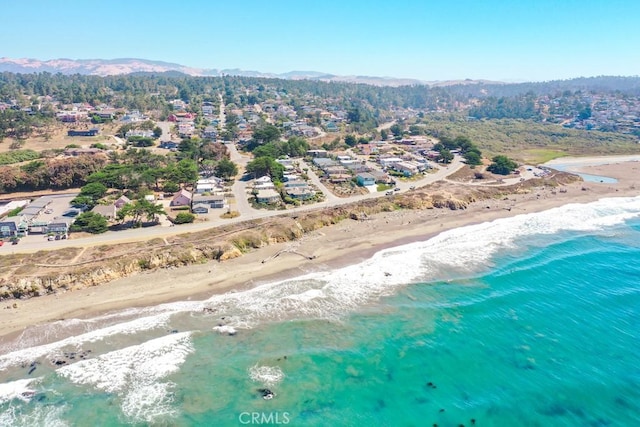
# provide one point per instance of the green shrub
(184, 218)
(18, 156)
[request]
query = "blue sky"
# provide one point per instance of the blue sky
(513, 40)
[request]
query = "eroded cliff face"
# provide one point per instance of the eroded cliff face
(46, 272)
(80, 276)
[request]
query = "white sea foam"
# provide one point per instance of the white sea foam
(225, 330)
(464, 250)
(268, 376)
(27, 355)
(19, 389)
(136, 374)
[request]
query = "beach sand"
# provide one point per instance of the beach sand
(348, 242)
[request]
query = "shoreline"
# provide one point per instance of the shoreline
(348, 242)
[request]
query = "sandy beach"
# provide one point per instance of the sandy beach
(345, 243)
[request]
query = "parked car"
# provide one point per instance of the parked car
(389, 193)
(49, 211)
(50, 238)
(57, 237)
(413, 187)
(396, 189)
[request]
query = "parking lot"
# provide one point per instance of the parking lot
(53, 213)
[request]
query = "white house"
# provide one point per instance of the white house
(209, 185)
(390, 161)
(263, 183)
(268, 196)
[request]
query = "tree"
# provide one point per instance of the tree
(84, 201)
(350, 140)
(473, 158)
(95, 190)
(90, 222)
(184, 218)
(384, 134)
(396, 130)
(267, 133)
(157, 132)
(170, 187)
(502, 165)
(266, 166)
(354, 115)
(415, 130)
(226, 169)
(445, 156)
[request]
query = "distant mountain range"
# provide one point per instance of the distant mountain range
(110, 67)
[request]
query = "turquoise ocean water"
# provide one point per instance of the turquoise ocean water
(527, 321)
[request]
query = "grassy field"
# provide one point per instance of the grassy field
(532, 142)
(59, 139)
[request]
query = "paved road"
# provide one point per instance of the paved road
(222, 118)
(166, 130)
(240, 190)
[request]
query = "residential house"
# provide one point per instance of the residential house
(186, 129)
(332, 127)
(333, 170)
(365, 179)
(296, 183)
(208, 185)
(289, 177)
(406, 168)
(61, 227)
(389, 161)
(9, 227)
(107, 211)
(122, 200)
(210, 132)
(139, 132)
(268, 196)
(381, 177)
(323, 162)
(357, 167)
(105, 114)
(80, 132)
(214, 202)
(300, 193)
(337, 178)
(263, 183)
(207, 109)
(200, 208)
(181, 198)
(133, 117)
(169, 145)
(318, 153)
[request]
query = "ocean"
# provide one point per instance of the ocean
(532, 320)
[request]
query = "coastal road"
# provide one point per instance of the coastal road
(247, 213)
